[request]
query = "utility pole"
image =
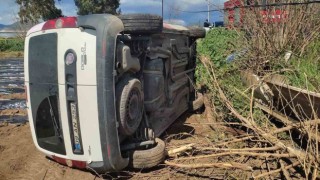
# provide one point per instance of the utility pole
(208, 10)
(162, 9)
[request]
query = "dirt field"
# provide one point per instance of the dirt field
(21, 160)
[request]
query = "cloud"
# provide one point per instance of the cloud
(68, 7)
(140, 6)
(140, 3)
(176, 21)
(8, 11)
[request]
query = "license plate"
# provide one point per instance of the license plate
(75, 126)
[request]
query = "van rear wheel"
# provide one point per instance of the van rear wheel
(148, 158)
(142, 23)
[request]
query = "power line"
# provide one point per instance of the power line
(252, 6)
(213, 10)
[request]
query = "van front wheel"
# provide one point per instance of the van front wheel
(148, 158)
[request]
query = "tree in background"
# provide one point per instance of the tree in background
(97, 6)
(31, 11)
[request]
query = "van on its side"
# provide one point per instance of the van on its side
(102, 88)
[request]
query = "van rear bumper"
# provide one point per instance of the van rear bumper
(107, 28)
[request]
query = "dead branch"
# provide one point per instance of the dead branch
(315, 172)
(235, 140)
(293, 152)
(300, 127)
(223, 123)
(173, 152)
(216, 165)
(254, 127)
(276, 171)
(239, 150)
(284, 171)
(274, 155)
(287, 121)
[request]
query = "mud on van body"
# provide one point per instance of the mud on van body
(102, 88)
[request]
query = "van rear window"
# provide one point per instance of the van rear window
(44, 92)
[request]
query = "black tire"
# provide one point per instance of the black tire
(197, 32)
(198, 103)
(129, 105)
(142, 23)
(142, 159)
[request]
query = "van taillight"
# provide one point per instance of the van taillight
(70, 163)
(64, 22)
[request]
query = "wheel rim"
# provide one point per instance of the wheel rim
(134, 108)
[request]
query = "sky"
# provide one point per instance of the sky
(173, 10)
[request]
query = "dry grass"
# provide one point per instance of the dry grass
(268, 38)
(14, 54)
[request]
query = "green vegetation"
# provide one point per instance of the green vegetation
(218, 45)
(97, 7)
(11, 44)
(11, 47)
(305, 70)
(31, 11)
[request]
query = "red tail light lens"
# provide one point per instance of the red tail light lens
(65, 22)
(51, 24)
(70, 163)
